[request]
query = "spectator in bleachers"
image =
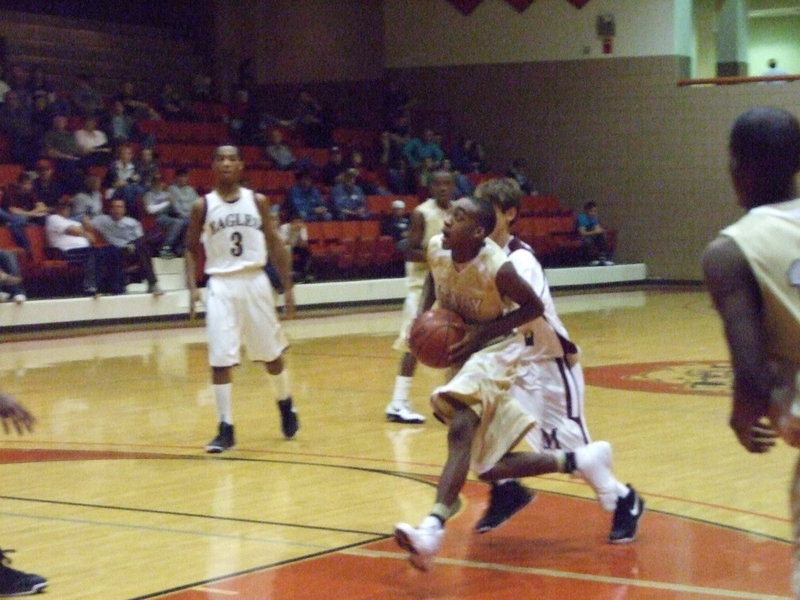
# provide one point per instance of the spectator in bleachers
(15, 121)
(295, 236)
(517, 172)
(311, 122)
(19, 78)
(86, 99)
(102, 267)
(16, 223)
(183, 194)
(395, 224)
(40, 87)
(21, 200)
(47, 187)
(594, 235)
(425, 175)
(333, 168)
(121, 124)
(135, 106)
(146, 166)
(305, 201)
(279, 152)
(468, 157)
(464, 186)
(88, 203)
(4, 87)
(41, 117)
(122, 180)
(172, 105)
(159, 202)
(93, 143)
(347, 198)
(245, 119)
(366, 179)
(126, 234)
(418, 149)
(59, 145)
(10, 278)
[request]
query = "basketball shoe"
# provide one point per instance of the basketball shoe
(399, 411)
(423, 542)
(593, 463)
(223, 441)
(626, 518)
(17, 583)
(505, 500)
(289, 421)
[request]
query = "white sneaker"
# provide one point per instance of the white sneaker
(400, 411)
(423, 543)
(608, 263)
(594, 263)
(20, 298)
(593, 462)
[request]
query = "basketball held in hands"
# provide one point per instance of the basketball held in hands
(433, 333)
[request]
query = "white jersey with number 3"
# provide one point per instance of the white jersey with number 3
(232, 234)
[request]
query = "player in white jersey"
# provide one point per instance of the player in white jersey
(233, 223)
(549, 384)
(752, 271)
(426, 221)
(471, 275)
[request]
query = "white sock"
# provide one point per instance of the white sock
(430, 522)
(402, 388)
(280, 383)
(222, 394)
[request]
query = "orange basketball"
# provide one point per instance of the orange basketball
(433, 333)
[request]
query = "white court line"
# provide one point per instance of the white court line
(656, 585)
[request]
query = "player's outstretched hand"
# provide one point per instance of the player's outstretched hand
(470, 343)
(13, 413)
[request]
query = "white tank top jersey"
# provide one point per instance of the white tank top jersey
(417, 272)
(544, 330)
(769, 238)
(470, 290)
(232, 234)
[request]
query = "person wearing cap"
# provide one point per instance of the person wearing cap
(347, 198)
(305, 201)
(333, 168)
(395, 224)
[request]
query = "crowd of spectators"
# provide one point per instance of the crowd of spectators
(88, 158)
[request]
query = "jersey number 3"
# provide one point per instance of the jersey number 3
(236, 244)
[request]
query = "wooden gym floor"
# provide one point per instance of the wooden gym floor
(113, 497)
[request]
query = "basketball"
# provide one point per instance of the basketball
(433, 333)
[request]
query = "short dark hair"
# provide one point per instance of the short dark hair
(766, 140)
(590, 205)
(181, 171)
(485, 215)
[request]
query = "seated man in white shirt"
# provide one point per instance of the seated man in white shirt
(102, 268)
(126, 233)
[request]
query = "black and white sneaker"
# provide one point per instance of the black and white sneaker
(17, 583)
(223, 441)
(505, 500)
(626, 518)
(289, 421)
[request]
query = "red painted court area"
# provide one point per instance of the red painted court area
(553, 550)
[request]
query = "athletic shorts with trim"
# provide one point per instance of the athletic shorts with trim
(240, 310)
(553, 393)
(483, 384)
